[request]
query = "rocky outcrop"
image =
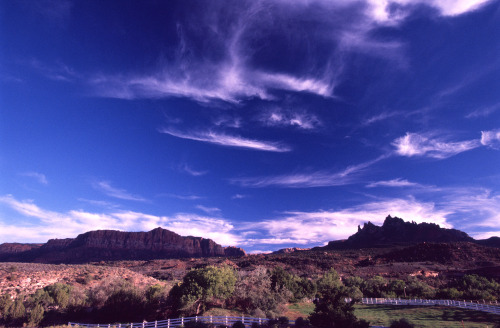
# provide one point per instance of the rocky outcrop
(290, 250)
(15, 248)
(395, 231)
(112, 245)
(491, 242)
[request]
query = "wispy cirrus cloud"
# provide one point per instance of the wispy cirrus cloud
(484, 112)
(393, 183)
(39, 177)
(228, 140)
(392, 12)
(42, 224)
(106, 188)
(431, 145)
(347, 176)
(209, 210)
(491, 138)
(189, 170)
(284, 117)
(226, 66)
(182, 197)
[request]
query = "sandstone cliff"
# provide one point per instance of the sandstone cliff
(110, 245)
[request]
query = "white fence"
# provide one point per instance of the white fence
(248, 321)
(490, 307)
(171, 323)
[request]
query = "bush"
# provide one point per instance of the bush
(254, 294)
(401, 323)
(36, 315)
(200, 287)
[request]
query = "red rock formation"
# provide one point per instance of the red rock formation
(110, 245)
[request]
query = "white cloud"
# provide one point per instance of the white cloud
(183, 197)
(228, 140)
(106, 188)
(63, 225)
(323, 226)
(284, 117)
(186, 168)
(41, 178)
(393, 183)
(308, 180)
(481, 207)
(483, 112)
(238, 196)
(486, 235)
(491, 138)
(381, 9)
(209, 210)
(429, 145)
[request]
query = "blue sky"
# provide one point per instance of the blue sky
(259, 124)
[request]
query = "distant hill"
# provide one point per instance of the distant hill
(395, 231)
(112, 245)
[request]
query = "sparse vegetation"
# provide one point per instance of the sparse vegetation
(270, 286)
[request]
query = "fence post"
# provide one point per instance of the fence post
(156, 323)
(168, 323)
(226, 320)
(182, 321)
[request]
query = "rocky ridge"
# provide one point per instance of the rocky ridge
(109, 245)
(395, 231)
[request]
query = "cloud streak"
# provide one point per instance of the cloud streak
(429, 145)
(39, 177)
(393, 183)
(228, 140)
(347, 176)
(283, 118)
(106, 188)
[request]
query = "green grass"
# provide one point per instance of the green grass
(296, 310)
(425, 316)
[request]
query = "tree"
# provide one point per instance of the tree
(59, 293)
(330, 280)
(127, 304)
(199, 287)
(332, 311)
(35, 315)
(299, 287)
(17, 311)
(374, 287)
(5, 305)
(253, 294)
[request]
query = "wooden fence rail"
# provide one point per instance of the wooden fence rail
(171, 323)
(248, 321)
(490, 307)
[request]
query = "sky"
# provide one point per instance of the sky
(261, 124)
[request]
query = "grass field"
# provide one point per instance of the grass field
(421, 317)
(425, 316)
